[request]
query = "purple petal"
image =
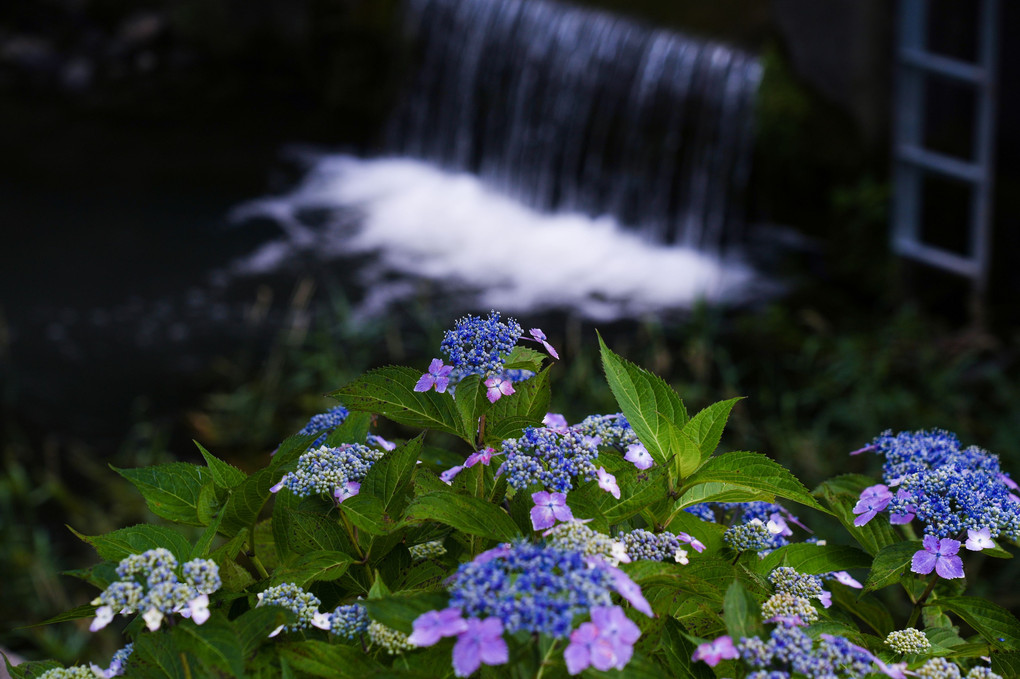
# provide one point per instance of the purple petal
(923, 562)
(542, 517)
(845, 578)
(1010, 483)
(630, 591)
(448, 475)
(931, 543)
(577, 656)
(507, 387)
(556, 422)
(864, 518)
(432, 626)
(639, 456)
(607, 482)
(277, 487)
(541, 497)
(467, 655)
(866, 449)
(563, 513)
(948, 546)
(425, 382)
(900, 519)
(442, 383)
(825, 598)
(349, 490)
(949, 567)
(713, 652)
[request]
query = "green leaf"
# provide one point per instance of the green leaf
(890, 563)
(869, 609)
(841, 495)
(224, 475)
(334, 661)
(305, 532)
(242, 507)
(368, 513)
(649, 404)
(506, 428)
(170, 490)
(530, 399)
(160, 657)
(123, 542)
(715, 491)
(468, 514)
(313, 567)
(706, 428)
(389, 478)
(678, 650)
(740, 612)
(637, 490)
(354, 429)
(204, 544)
(83, 611)
(471, 404)
(755, 472)
(1006, 665)
(525, 358)
(215, 643)
(31, 669)
(815, 559)
(995, 624)
(400, 611)
(253, 626)
(390, 392)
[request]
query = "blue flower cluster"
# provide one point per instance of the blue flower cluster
(349, 621)
(648, 546)
(304, 605)
(479, 346)
(549, 458)
(611, 430)
(324, 470)
(758, 526)
(324, 422)
(531, 588)
(948, 489)
(789, 650)
(153, 583)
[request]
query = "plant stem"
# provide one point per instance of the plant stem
(481, 432)
(546, 658)
(914, 614)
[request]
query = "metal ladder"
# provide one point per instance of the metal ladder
(912, 160)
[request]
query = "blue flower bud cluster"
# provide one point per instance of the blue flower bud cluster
(288, 595)
(152, 580)
(785, 606)
(611, 430)
(982, 673)
(790, 651)
(480, 346)
(752, 536)
(74, 672)
(648, 546)
(427, 550)
(349, 621)
(576, 536)
(323, 470)
(909, 641)
(939, 668)
(389, 639)
(947, 488)
(545, 457)
(325, 423)
(786, 579)
(531, 588)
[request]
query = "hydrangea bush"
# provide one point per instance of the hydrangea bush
(497, 539)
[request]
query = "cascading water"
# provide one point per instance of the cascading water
(543, 156)
(568, 109)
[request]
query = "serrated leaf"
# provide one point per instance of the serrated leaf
(83, 611)
(253, 626)
(715, 491)
(706, 428)
(506, 428)
(468, 514)
(390, 477)
(870, 610)
(525, 358)
(471, 404)
(390, 392)
(159, 657)
(755, 472)
(816, 559)
(399, 611)
(204, 544)
(354, 429)
(224, 475)
(215, 644)
(294, 446)
(1006, 665)
(333, 661)
(740, 612)
(305, 532)
(647, 402)
(678, 650)
(244, 503)
(33, 669)
(116, 545)
(995, 624)
(530, 399)
(890, 563)
(171, 490)
(368, 513)
(638, 489)
(313, 567)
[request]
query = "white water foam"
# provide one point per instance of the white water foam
(420, 222)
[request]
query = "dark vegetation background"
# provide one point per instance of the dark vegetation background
(129, 129)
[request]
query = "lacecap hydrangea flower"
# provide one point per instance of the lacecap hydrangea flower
(335, 472)
(304, 605)
(154, 584)
(549, 458)
(535, 589)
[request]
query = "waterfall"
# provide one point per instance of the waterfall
(572, 110)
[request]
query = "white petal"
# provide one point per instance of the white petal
(104, 614)
(321, 620)
(152, 618)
